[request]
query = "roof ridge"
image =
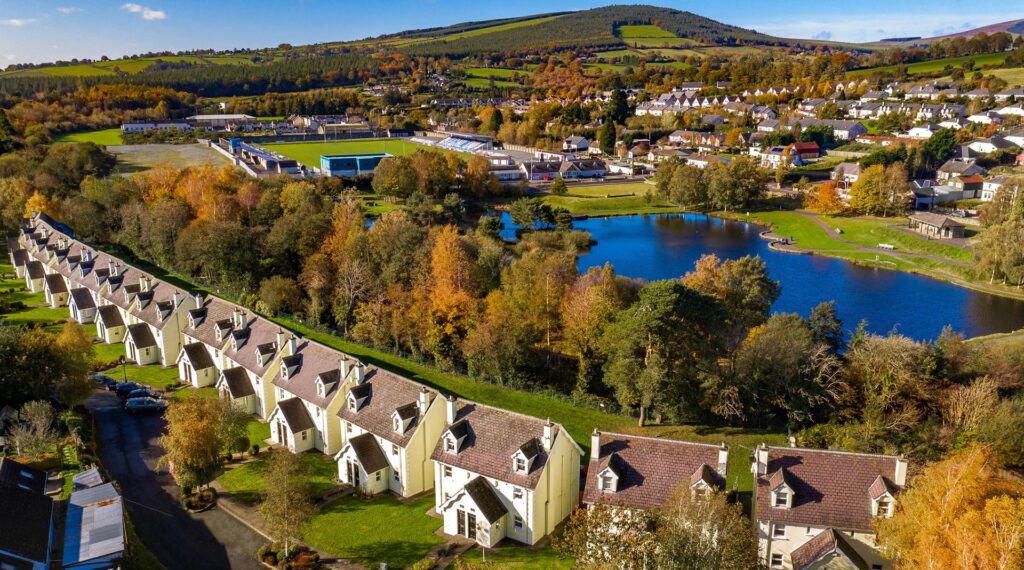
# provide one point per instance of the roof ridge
(510, 412)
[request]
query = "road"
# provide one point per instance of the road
(130, 450)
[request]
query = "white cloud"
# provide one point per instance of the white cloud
(8, 56)
(822, 35)
(69, 10)
(17, 22)
(147, 13)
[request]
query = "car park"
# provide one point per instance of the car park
(105, 381)
(138, 405)
(126, 388)
(143, 393)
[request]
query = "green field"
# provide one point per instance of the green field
(1013, 76)
(129, 65)
(610, 200)
(496, 72)
(404, 42)
(103, 137)
(651, 36)
(309, 153)
(938, 64)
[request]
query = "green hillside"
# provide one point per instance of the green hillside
(127, 65)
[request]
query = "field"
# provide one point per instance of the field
(309, 153)
(610, 200)
(103, 68)
(103, 137)
(136, 158)
(1014, 76)
(938, 64)
(404, 42)
(651, 36)
(620, 67)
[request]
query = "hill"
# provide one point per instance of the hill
(1015, 27)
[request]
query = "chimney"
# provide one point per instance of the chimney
(87, 255)
(199, 300)
(595, 444)
(424, 400)
(145, 283)
(279, 339)
(360, 372)
(900, 475)
(115, 269)
(177, 299)
(450, 407)
(760, 464)
(292, 346)
(723, 460)
(792, 441)
(344, 368)
(549, 435)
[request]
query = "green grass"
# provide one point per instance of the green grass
(500, 72)
(938, 64)
(481, 83)
(872, 231)
(189, 392)
(246, 482)
(258, 432)
(1013, 76)
(309, 153)
(644, 31)
(371, 532)
(517, 557)
(808, 235)
(103, 137)
(130, 66)
(157, 378)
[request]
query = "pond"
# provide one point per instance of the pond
(666, 246)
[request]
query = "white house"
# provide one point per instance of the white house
(499, 474)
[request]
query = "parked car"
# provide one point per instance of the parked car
(136, 405)
(105, 381)
(126, 388)
(143, 393)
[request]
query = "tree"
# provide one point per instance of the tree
(606, 137)
(558, 186)
(881, 191)
(588, 307)
(280, 294)
(34, 433)
(743, 287)
(940, 147)
(451, 302)
(825, 199)
(607, 537)
(826, 327)
(617, 109)
(193, 443)
(286, 506)
(962, 512)
(77, 359)
(704, 531)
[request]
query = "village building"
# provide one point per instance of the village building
(936, 225)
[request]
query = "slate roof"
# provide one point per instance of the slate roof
(205, 319)
(368, 452)
(936, 220)
(55, 283)
(830, 488)
(258, 332)
(110, 316)
(313, 360)
(295, 414)
(198, 355)
(492, 436)
(161, 305)
(35, 270)
(238, 383)
(20, 257)
(650, 469)
(825, 543)
(14, 474)
(26, 533)
(486, 499)
(387, 393)
(141, 335)
(82, 298)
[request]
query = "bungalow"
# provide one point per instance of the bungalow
(1015, 136)
(923, 132)
(816, 509)
(35, 276)
(27, 524)
(641, 473)
(582, 168)
(1014, 94)
(1016, 110)
(499, 474)
(986, 118)
(56, 290)
(390, 426)
(991, 144)
(575, 144)
(110, 327)
(703, 160)
(309, 390)
(953, 168)
(936, 226)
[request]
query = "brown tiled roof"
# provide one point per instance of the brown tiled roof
(650, 469)
(258, 332)
(25, 524)
(238, 382)
(313, 359)
(141, 335)
(110, 316)
(492, 437)
(486, 499)
(20, 257)
(368, 452)
(83, 298)
(830, 488)
(829, 541)
(158, 310)
(55, 283)
(198, 355)
(880, 487)
(387, 394)
(35, 270)
(205, 319)
(295, 414)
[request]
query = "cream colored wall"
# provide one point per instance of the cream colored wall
(558, 494)
(797, 536)
(418, 473)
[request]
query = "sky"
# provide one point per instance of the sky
(36, 31)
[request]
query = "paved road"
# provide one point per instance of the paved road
(130, 450)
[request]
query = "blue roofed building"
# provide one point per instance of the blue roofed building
(94, 529)
(350, 164)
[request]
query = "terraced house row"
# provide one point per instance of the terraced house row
(495, 474)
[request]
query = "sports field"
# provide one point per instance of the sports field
(309, 153)
(104, 137)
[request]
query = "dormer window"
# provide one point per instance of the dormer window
(352, 403)
(397, 424)
(608, 478)
(884, 507)
(284, 371)
(520, 464)
(449, 444)
(607, 483)
(781, 499)
(319, 388)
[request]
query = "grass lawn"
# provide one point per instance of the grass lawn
(939, 64)
(258, 432)
(371, 532)
(103, 137)
(160, 379)
(1013, 76)
(808, 235)
(484, 83)
(498, 72)
(610, 199)
(309, 153)
(517, 557)
(246, 482)
(189, 392)
(870, 232)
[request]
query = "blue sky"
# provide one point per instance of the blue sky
(44, 30)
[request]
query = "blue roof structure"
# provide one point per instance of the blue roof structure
(94, 530)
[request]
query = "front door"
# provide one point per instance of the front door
(460, 521)
(280, 433)
(466, 523)
(353, 473)
(471, 526)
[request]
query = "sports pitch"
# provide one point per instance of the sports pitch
(309, 153)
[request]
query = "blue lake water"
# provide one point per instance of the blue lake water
(666, 246)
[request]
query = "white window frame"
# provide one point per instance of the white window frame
(779, 531)
(776, 560)
(781, 499)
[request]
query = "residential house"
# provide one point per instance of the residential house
(27, 524)
(110, 327)
(845, 174)
(158, 307)
(779, 157)
(978, 94)
(81, 305)
(500, 475)
(1016, 137)
(390, 426)
(992, 185)
(986, 118)
(56, 290)
(204, 335)
(991, 144)
(582, 168)
(971, 185)
(1015, 110)
(805, 150)
(641, 473)
(1015, 94)
(252, 353)
(930, 193)
(815, 509)
(936, 226)
(35, 276)
(575, 144)
(923, 132)
(953, 168)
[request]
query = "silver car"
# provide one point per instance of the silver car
(136, 405)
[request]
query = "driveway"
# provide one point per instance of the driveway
(130, 450)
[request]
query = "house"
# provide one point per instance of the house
(110, 327)
(990, 187)
(805, 150)
(575, 144)
(971, 185)
(309, 388)
(82, 305)
(929, 193)
(953, 168)
(541, 170)
(1014, 94)
(1016, 110)
(986, 118)
(635, 472)
(1016, 137)
(140, 346)
(703, 160)
(769, 126)
(991, 144)
(94, 534)
(845, 174)
(56, 290)
(815, 509)
(498, 474)
(779, 157)
(159, 307)
(583, 168)
(14, 474)
(923, 132)
(205, 330)
(27, 524)
(661, 154)
(35, 276)
(252, 353)
(390, 426)
(936, 226)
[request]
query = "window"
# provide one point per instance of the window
(348, 427)
(305, 434)
(377, 475)
(520, 464)
(517, 493)
(447, 471)
(398, 424)
(884, 507)
(776, 561)
(394, 449)
(779, 531)
(781, 499)
(396, 477)
(352, 404)
(607, 483)
(449, 444)
(518, 523)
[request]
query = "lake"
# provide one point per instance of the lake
(666, 246)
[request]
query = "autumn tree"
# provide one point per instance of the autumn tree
(78, 359)
(607, 537)
(704, 531)
(742, 286)
(588, 307)
(193, 444)
(451, 301)
(558, 186)
(961, 512)
(286, 506)
(825, 199)
(34, 432)
(881, 191)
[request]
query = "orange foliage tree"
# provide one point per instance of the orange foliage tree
(825, 199)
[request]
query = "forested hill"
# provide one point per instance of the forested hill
(598, 27)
